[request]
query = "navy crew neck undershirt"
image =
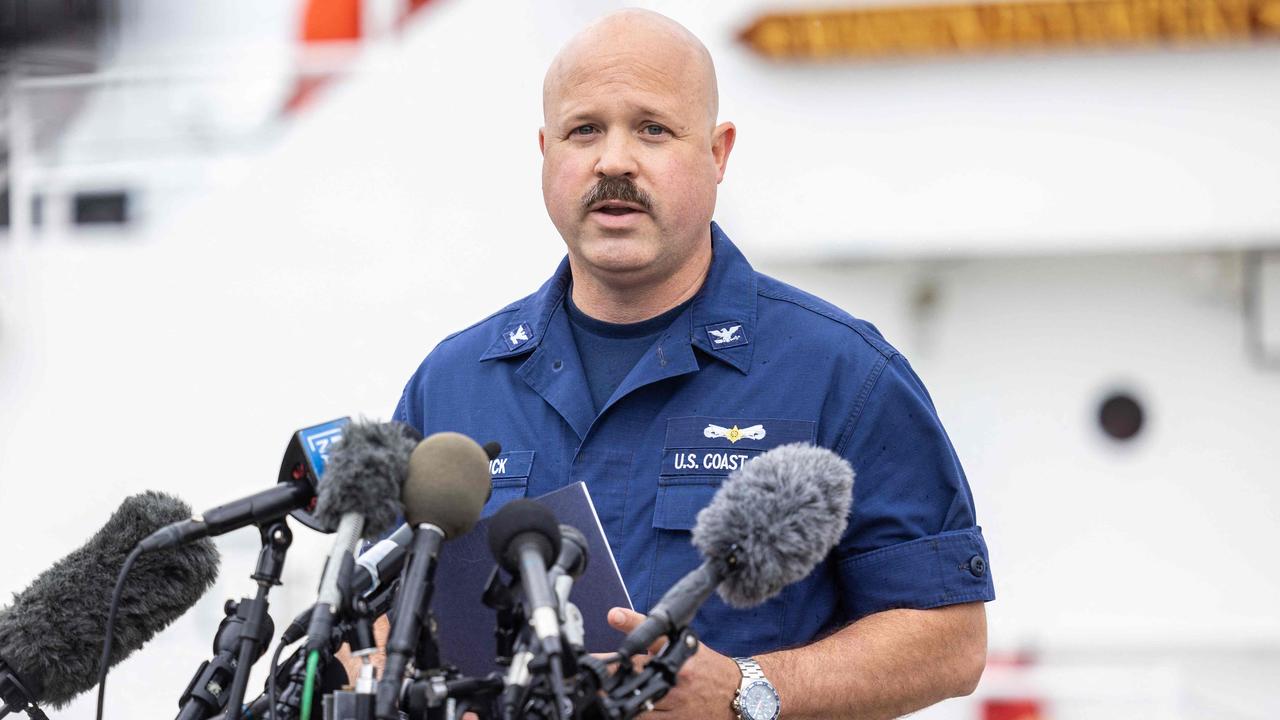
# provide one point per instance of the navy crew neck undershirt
(608, 351)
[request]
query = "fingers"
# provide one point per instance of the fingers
(624, 620)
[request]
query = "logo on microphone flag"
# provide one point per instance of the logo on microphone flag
(319, 440)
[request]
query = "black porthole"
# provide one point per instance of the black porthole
(1120, 415)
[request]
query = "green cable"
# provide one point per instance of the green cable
(309, 684)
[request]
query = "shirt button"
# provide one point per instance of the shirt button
(977, 566)
(556, 365)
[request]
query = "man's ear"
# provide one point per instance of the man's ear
(542, 141)
(722, 139)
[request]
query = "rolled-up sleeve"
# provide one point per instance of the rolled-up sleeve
(912, 539)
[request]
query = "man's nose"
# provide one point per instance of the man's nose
(617, 157)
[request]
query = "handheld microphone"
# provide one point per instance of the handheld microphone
(359, 495)
(51, 636)
(304, 461)
(767, 526)
(446, 490)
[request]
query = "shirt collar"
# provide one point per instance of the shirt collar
(721, 320)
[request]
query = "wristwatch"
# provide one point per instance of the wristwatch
(756, 698)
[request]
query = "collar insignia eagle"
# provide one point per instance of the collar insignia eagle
(725, 334)
(734, 434)
(516, 336)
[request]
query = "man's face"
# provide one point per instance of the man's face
(631, 161)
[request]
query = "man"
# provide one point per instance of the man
(655, 360)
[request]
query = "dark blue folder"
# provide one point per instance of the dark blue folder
(465, 625)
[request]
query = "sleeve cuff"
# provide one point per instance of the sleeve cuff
(945, 569)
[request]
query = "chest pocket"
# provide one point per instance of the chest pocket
(509, 473)
(698, 454)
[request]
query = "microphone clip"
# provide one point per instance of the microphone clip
(630, 692)
(15, 695)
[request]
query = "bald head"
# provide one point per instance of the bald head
(630, 41)
(631, 157)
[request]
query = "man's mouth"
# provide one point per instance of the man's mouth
(616, 207)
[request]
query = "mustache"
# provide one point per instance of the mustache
(619, 188)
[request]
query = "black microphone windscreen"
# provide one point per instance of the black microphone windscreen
(365, 474)
(492, 449)
(781, 513)
(517, 518)
(52, 633)
(448, 483)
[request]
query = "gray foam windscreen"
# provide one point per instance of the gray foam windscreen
(784, 511)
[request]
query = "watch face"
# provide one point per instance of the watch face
(759, 701)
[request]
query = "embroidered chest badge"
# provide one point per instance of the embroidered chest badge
(734, 434)
(726, 335)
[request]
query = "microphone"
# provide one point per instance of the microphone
(383, 560)
(767, 526)
(359, 495)
(572, 561)
(304, 461)
(51, 636)
(446, 490)
(569, 566)
(525, 538)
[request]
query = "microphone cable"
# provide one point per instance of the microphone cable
(309, 684)
(272, 694)
(116, 593)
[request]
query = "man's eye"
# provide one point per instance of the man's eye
(583, 130)
(654, 130)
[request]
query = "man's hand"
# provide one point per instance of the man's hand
(705, 687)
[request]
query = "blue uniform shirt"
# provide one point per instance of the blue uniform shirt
(750, 364)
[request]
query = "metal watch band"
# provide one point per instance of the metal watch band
(751, 669)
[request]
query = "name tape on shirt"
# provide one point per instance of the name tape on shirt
(511, 465)
(704, 462)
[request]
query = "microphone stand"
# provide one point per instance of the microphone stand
(255, 635)
(204, 696)
(354, 625)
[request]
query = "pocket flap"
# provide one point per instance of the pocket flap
(677, 505)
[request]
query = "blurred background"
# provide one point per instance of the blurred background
(222, 222)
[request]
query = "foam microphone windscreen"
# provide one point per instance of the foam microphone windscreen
(523, 517)
(51, 635)
(781, 513)
(448, 483)
(365, 474)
